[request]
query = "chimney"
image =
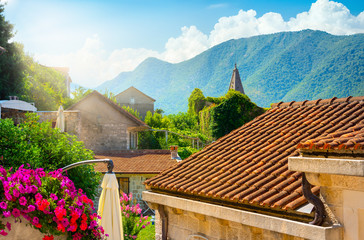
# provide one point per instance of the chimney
(174, 153)
(13, 98)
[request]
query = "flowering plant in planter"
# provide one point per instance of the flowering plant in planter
(133, 219)
(49, 202)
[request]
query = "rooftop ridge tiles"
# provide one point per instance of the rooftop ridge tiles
(317, 102)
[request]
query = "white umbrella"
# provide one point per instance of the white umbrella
(109, 207)
(60, 119)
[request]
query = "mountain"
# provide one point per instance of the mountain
(278, 67)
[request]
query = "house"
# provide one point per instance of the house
(100, 123)
(241, 187)
(106, 126)
(137, 100)
(133, 167)
(335, 162)
(15, 109)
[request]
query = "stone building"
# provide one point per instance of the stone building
(137, 100)
(133, 167)
(15, 109)
(242, 186)
(336, 164)
(105, 125)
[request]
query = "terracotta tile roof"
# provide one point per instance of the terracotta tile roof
(351, 139)
(249, 166)
(136, 161)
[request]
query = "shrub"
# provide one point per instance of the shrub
(42, 146)
(133, 220)
(49, 202)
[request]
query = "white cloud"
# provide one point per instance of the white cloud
(325, 15)
(186, 46)
(90, 65)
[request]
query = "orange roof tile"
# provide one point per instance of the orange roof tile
(136, 161)
(350, 139)
(249, 166)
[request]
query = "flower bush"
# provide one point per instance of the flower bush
(49, 202)
(133, 219)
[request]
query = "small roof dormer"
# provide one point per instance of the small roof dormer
(235, 82)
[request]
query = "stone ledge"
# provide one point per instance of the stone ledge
(327, 165)
(261, 221)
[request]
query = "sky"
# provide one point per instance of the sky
(98, 39)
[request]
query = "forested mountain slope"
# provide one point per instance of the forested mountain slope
(277, 67)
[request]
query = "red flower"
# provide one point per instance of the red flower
(42, 205)
(48, 237)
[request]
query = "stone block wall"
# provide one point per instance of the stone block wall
(344, 195)
(193, 226)
(136, 186)
(72, 120)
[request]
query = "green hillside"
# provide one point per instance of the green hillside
(277, 67)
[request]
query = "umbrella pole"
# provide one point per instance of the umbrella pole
(110, 164)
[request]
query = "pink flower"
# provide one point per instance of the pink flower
(6, 214)
(54, 196)
(16, 193)
(35, 221)
(16, 212)
(3, 205)
(8, 196)
(22, 189)
(8, 225)
(22, 201)
(31, 208)
(2, 232)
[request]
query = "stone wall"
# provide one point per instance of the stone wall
(103, 126)
(188, 225)
(136, 187)
(72, 120)
(344, 195)
(22, 231)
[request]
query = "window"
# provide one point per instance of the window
(123, 185)
(132, 100)
(133, 140)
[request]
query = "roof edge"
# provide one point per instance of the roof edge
(316, 102)
(138, 91)
(114, 105)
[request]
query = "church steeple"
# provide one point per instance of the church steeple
(235, 82)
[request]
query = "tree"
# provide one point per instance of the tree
(196, 102)
(156, 120)
(77, 95)
(233, 112)
(132, 111)
(11, 67)
(41, 146)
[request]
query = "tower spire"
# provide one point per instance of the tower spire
(235, 82)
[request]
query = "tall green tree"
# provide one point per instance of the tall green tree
(233, 112)
(196, 102)
(11, 67)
